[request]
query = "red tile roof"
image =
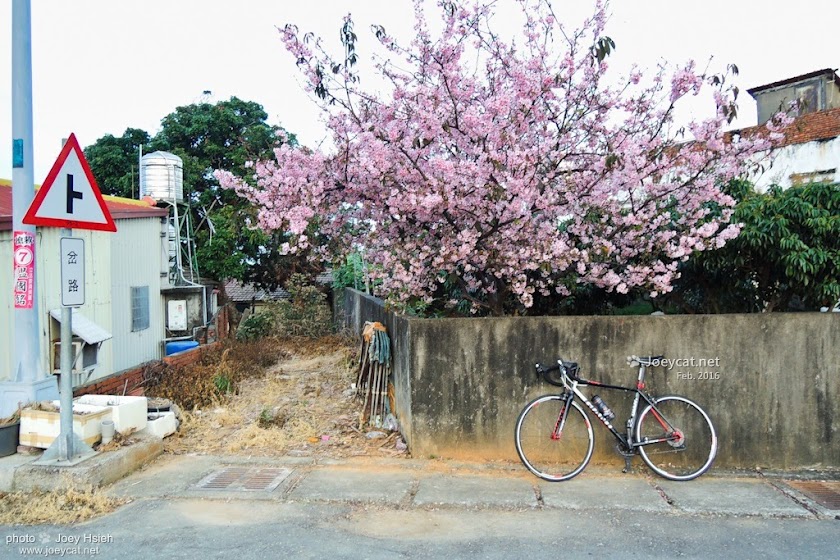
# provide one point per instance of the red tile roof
(811, 127)
(814, 126)
(120, 208)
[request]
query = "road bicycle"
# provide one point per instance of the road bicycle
(554, 439)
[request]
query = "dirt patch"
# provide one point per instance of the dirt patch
(302, 405)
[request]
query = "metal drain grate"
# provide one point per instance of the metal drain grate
(244, 479)
(827, 494)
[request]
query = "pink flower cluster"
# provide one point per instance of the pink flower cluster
(515, 177)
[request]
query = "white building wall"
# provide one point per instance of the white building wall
(798, 159)
(97, 305)
(114, 262)
(136, 261)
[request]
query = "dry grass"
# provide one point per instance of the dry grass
(55, 507)
(303, 404)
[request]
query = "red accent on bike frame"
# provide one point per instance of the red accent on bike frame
(640, 385)
(554, 434)
(659, 418)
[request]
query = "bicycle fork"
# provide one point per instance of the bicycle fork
(561, 418)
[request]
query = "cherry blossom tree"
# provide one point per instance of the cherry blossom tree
(505, 170)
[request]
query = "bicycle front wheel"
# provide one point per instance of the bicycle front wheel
(552, 445)
(678, 441)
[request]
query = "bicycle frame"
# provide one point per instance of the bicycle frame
(627, 441)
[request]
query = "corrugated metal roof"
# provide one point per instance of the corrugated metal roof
(120, 208)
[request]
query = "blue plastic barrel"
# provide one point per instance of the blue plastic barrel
(180, 346)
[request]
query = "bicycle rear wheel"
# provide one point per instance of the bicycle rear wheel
(552, 451)
(686, 443)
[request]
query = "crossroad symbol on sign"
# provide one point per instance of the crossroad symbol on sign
(70, 197)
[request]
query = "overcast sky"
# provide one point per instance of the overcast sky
(100, 66)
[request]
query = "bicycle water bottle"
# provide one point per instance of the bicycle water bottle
(603, 408)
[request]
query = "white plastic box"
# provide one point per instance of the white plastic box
(39, 428)
(128, 413)
(162, 424)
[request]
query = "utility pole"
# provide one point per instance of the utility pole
(28, 381)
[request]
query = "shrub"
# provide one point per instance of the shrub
(305, 313)
(255, 326)
(215, 376)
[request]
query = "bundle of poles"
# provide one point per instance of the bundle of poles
(374, 371)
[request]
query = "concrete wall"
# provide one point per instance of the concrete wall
(770, 382)
(816, 93)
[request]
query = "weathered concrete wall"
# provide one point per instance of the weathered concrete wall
(770, 382)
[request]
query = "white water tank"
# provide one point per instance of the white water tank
(162, 177)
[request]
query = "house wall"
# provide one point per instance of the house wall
(113, 263)
(194, 297)
(793, 163)
(97, 305)
(821, 92)
(135, 261)
(768, 381)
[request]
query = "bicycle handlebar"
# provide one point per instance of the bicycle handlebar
(566, 368)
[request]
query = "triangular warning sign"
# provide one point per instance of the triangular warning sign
(70, 197)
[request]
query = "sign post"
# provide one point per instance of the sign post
(72, 271)
(69, 198)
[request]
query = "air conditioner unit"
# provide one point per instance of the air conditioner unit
(85, 356)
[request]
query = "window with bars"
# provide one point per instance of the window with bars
(139, 308)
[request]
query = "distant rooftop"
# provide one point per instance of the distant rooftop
(828, 72)
(814, 92)
(247, 293)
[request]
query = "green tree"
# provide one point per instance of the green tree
(114, 161)
(208, 136)
(230, 247)
(786, 257)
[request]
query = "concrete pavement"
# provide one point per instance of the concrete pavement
(408, 484)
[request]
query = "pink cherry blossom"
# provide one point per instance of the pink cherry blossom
(512, 170)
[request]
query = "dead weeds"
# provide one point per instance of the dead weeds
(303, 404)
(55, 507)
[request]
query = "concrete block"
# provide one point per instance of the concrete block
(100, 470)
(127, 412)
(162, 424)
(354, 486)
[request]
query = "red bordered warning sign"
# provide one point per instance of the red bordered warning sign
(70, 197)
